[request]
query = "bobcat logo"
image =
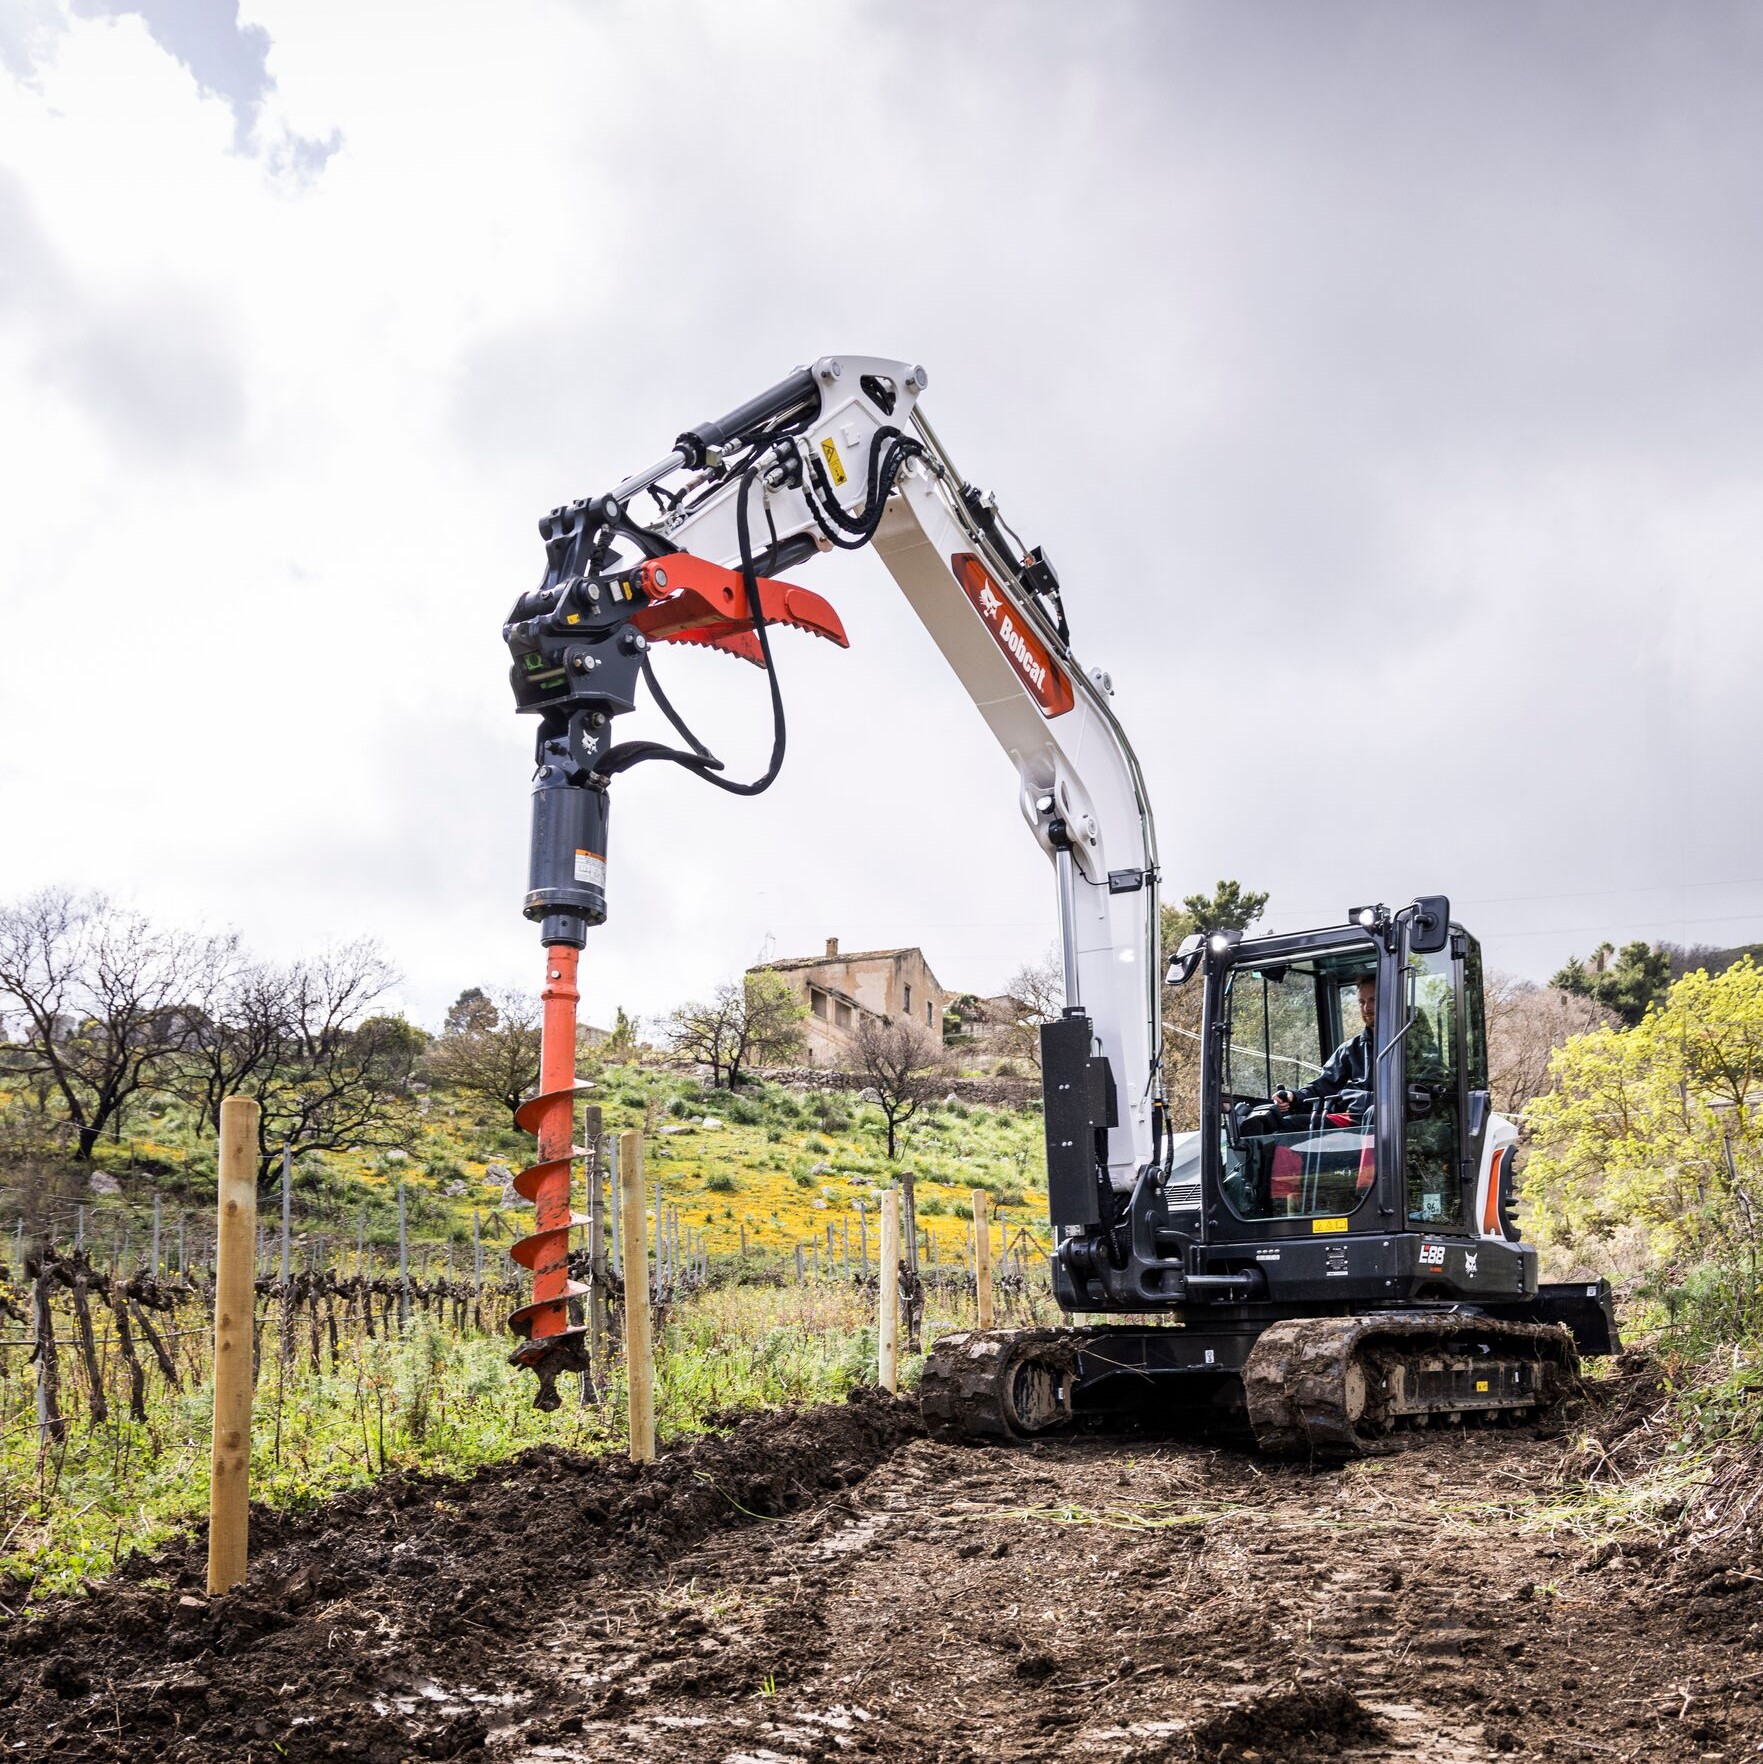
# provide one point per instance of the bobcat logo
(1469, 1263)
(989, 601)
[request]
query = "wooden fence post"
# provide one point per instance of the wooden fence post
(403, 1267)
(230, 1458)
(639, 1353)
(889, 1368)
(614, 1194)
(287, 1211)
(982, 1257)
(597, 1264)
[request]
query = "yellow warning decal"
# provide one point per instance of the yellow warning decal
(1481, 1384)
(1319, 1226)
(834, 464)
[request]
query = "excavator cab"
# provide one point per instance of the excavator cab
(1345, 1093)
(1317, 1087)
(1348, 1154)
(1334, 1245)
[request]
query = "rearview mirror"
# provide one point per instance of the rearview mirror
(1429, 929)
(1185, 960)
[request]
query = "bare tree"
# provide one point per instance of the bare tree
(755, 1021)
(490, 1049)
(105, 999)
(341, 1075)
(1182, 1048)
(903, 1063)
(1037, 992)
(1525, 1024)
(237, 1031)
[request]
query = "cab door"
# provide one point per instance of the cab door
(1432, 1087)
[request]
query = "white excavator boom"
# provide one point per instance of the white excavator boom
(1078, 782)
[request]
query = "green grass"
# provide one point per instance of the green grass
(432, 1401)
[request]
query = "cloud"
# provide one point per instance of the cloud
(1381, 378)
(224, 55)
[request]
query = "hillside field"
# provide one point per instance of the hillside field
(782, 1163)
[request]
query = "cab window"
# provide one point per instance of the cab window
(1432, 1054)
(1315, 1155)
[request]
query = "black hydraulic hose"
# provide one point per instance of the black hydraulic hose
(884, 468)
(666, 706)
(700, 760)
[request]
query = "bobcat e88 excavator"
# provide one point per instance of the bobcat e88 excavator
(1328, 1265)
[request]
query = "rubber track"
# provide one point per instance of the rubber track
(961, 1390)
(1297, 1377)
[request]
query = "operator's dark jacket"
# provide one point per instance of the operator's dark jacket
(1347, 1068)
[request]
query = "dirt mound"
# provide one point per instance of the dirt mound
(1307, 1721)
(1624, 1422)
(352, 1613)
(832, 1585)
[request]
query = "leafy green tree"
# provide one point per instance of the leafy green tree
(1229, 907)
(1630, 986)
(490, 1048)
(1656, 1126)
(473, 1010)
(620, 1047)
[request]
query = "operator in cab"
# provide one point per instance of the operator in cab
(1347, 1077)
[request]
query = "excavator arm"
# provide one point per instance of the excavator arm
(839, 456)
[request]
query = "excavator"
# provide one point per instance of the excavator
(1331, 1259)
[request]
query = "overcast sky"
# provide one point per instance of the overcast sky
(1384, 379)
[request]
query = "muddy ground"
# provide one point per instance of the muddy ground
(829, 1584)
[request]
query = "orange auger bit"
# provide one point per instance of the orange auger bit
(694, 601)
(551, 1344)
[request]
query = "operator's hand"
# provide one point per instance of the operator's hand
(1282, 1100)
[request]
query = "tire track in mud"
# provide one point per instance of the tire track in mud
(1167, 1603)
(829, 1584)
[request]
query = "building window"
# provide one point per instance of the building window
(929, 1021)
(842, 1014)
(817, 1002)
(909, 998)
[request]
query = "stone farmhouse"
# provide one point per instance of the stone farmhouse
(840, 990)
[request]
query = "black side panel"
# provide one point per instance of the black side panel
(1075, 1106)
(1585, 1307)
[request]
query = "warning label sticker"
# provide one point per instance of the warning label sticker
(590, 868)
(834, 464)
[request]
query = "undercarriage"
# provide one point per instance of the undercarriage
(1337, 1386)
